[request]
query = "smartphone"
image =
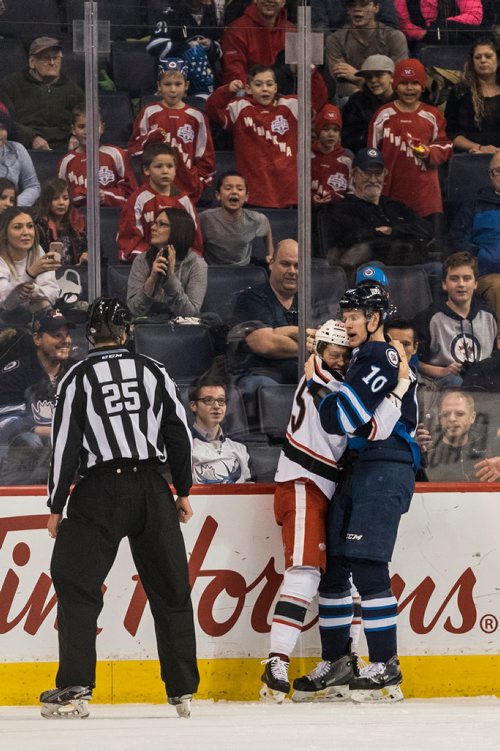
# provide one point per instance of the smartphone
(56, 248)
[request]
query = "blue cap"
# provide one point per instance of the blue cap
(371, 274)
(173, 64)
(366, 158)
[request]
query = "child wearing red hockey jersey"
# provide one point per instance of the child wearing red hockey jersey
(140, 210)
(330, 162)
(264, 126)
(116, 175)
(412, 137)
(183, 127)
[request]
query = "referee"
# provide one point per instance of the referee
(117, 421)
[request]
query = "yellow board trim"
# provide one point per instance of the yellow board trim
(239, 679)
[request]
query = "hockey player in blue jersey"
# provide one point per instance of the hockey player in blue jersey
(375, 490)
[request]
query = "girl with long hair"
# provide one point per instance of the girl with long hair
(58, 220)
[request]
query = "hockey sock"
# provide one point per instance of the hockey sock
(355, 630)
(300, 584)
(379, 612)
(335, 618)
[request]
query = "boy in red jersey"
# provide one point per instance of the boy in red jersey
(412, 138)
(330, 163)
(138, 214)
(183, 127)
(116, 175)
(264, 126)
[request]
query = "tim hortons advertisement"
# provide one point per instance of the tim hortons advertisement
(444, 574)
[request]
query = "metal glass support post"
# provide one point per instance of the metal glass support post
(90, 46)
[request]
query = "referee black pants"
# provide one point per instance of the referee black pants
(104, 507)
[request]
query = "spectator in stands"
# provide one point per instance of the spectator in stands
(434, 23)
(329, 15)
(116, 175)
(458, 452)
(377, 73)
(367, 226)
(401, 330)
(229, 230)
(28, 387)
(458, 331)
(170, 278)
(412, 137)
(182, 127)
(8, 194)
(473, 107)
(265, 327)
(330, 163)
(216, 458)
(159, 164)
(264, 126)
(485, 374)
(27, 279)
(57, 221)
(189, 30)
(362, 35)
(43, 97)
(476, 227)
(17, 165)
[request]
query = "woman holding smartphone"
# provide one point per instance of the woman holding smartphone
(60, 225)
(170, 278)
(27, 274)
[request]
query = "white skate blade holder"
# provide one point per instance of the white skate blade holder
(77, 709)
(182, 705)
(271, 696)
(329, 694)
(383, 695)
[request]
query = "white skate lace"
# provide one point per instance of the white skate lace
(374, 668)
(279, 668)
(320, 670)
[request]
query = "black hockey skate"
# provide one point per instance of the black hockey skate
(275, 678)
(329, 681)
(379, 681)
(66, 703)
(182, 704)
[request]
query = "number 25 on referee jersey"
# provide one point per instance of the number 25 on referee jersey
(121, 396)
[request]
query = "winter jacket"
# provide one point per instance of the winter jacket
(470, 13)
(42, 109)
(459, 114)
(356, 116)
(476, 227)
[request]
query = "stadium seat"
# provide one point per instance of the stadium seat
(466, 174)
(73, 280)
(224, 283)
(117, 116)
(448, 56)
(126, 16)
(12, 56)
(409, 289)
(117, 279)
(46, 163)
(30, 19)
(133, 69)
(263, 462)
(328, 284)
(283, 223)
(274, 404)
(185, 351)
(110, 217)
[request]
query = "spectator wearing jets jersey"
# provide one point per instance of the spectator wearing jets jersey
(116, 175)
(117, 421)
(308, 470)
(264, 126)
(159, 165)
(330, 163)
(181, 126)
(375, 489)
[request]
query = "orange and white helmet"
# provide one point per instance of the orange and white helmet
(331, 332)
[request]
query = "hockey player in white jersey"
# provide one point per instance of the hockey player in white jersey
(306, 477)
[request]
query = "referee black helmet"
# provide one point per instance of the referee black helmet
(108, 318)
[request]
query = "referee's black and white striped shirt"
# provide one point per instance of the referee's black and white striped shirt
(117, 405)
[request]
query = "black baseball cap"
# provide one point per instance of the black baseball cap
(49, 321)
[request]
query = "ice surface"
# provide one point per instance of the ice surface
(471, 724)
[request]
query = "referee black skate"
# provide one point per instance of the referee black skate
(117, 421)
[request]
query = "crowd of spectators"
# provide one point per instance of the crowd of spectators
(380, 159)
